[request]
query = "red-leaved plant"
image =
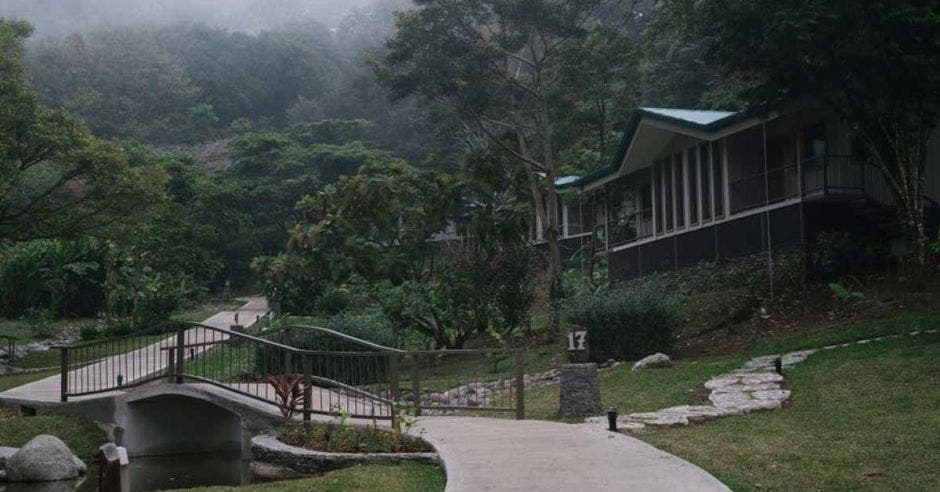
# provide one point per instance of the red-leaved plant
(289, 393)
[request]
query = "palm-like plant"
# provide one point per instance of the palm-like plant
(289, 393)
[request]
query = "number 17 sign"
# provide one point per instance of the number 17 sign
(578, 344)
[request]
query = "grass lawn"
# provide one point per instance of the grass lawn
(52, 358)
(640, 391)
(26, 332)
(81, 436)
(8, 381)
(851, 332)
(406, 477)
(862, 417)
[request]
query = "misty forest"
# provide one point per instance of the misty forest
(351, 244)
(158, 154)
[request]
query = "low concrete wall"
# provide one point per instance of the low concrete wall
(271, 453)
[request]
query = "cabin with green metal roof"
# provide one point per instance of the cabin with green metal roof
(687, 186)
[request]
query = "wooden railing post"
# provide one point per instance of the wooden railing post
(520, 384)
(393, 389)
(180, 354)
(64, 377)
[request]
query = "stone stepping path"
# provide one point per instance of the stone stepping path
(753, 387)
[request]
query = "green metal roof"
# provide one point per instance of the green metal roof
(695, 119)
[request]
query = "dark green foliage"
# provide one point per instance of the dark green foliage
(839, 253)
(332, 301)
(56, 179)
(369, 324)
(629, 325)
(65, 277)
(290, 282)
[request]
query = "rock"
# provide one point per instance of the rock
(44, 458)
(269, 471)
(655, 360)
(5, 454)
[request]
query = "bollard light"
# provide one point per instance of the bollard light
(778, 365)
(120, 380)
(612, 419)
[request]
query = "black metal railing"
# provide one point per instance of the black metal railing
(302, 370)
(9, 344)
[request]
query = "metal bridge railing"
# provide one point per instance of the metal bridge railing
(9, 345)
(303, 370)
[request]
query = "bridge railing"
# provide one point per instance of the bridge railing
(100, 366)
(8, 343)
(304, 371)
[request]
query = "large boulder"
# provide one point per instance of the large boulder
(43, 459)
(5, 454)
(655, 360)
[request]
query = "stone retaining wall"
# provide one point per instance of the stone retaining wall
(275, 459)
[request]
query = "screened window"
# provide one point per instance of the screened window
(679, 189)
(718, 177)
(666, 179)
(704, 166)
(693, 186)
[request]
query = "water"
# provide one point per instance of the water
(159, 473)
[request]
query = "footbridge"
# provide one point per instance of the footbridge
(214, 385)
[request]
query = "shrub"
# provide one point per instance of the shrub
(369, 324)
(64, 277)
(839, 253)
(629, 324)
(333, 301)
(289, 282)
(348, 439)
(88, 333)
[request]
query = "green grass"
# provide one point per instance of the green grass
(27, 332)
(82, 436)
(52, 358)
(453, 370)
(8, 381)
(406, 477)
(851, 332)
(640, 391)
(864, 417)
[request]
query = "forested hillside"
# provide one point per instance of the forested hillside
(218, 136)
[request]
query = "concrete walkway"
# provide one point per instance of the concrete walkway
(482, 454)
(135, 365)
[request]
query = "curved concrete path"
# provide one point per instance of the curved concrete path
(483, 454)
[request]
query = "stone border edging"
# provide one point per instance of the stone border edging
(753, 387)
(270, 454)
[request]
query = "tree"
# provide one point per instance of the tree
(872, 63)
(496, 63)
(56, 179)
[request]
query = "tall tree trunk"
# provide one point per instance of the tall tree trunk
(552, 225)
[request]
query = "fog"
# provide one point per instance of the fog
(64, 17)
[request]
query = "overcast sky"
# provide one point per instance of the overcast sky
(63, 17)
